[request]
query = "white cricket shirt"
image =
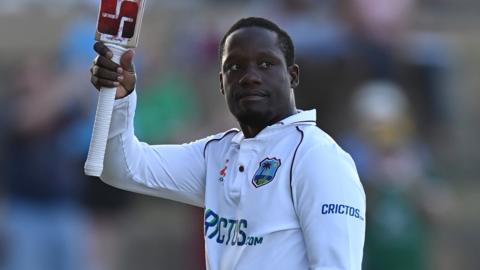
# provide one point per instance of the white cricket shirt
(290, 198)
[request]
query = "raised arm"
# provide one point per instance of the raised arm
(174, 172)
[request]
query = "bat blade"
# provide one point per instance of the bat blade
(119, 22)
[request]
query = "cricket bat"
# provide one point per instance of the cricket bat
(118, 26)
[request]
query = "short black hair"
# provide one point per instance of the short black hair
(284, 41)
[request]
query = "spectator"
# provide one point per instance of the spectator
(44, 222)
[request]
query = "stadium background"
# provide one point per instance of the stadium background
(395, 82)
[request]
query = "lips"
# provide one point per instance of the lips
(250, 95)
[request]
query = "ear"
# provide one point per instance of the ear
(220, 76)
(294, 71)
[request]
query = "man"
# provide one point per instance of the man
(279, 193)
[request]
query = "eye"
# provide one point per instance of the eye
(265, 65)
(235, 67)
(232, 67)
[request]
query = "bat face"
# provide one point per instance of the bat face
(119, 22)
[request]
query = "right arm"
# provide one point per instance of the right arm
(174, 172)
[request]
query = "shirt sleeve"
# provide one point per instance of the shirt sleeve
(175, 172)
(330, 204)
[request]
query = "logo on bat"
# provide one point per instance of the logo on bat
(118, 18)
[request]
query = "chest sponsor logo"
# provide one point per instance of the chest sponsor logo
(227, 231)
(266, 171)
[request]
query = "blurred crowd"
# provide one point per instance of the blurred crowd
(381, 82)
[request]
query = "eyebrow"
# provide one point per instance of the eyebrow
(267, 54)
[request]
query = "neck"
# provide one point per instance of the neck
(251, 130)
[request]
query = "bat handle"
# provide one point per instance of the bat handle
(101, 126)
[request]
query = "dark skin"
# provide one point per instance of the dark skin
(106, 73)
(254, 78)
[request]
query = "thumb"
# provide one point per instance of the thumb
(126, 61)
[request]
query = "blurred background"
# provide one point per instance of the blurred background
(395, 82)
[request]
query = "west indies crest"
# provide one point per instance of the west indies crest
(266, 171)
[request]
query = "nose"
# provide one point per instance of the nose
(251, 77)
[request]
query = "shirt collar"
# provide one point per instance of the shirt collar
(301, 117)
(308, 117)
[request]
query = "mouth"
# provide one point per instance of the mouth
(250, 95)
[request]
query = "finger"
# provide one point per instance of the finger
(126, 61)
(106, 63)
(102, 50)
(106, 74)
(94, 81)
(99, 83)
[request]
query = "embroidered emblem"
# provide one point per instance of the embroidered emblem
(223, 171)
(266, 171)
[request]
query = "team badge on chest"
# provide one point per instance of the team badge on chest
(266, 171)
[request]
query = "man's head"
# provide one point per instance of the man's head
(258, 73)
(285, 43)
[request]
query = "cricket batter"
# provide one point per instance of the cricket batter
(278, 194)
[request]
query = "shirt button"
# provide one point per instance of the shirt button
(241, 168)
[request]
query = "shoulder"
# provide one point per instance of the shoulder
(224, 138)
(316, 142)
(320, 157)
(314, 136)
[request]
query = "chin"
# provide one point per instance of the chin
(253, 118)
